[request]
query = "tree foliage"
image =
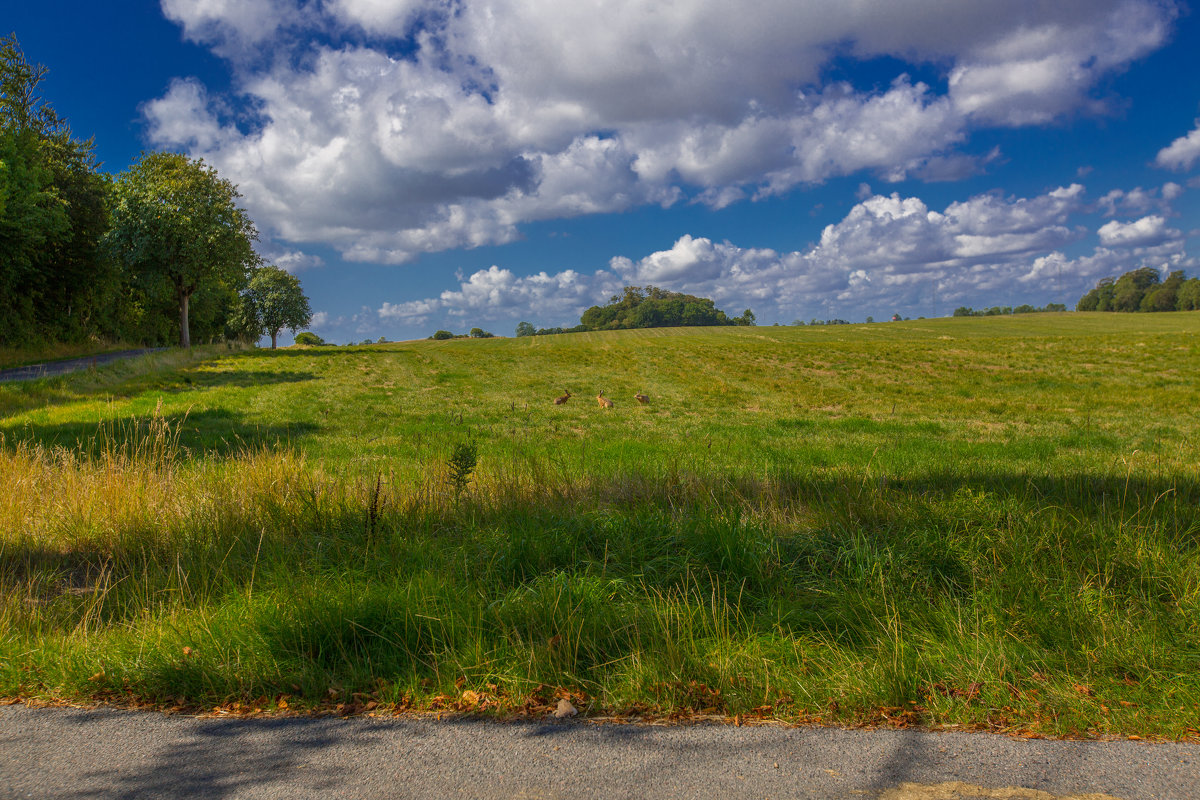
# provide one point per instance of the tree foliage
(177, 229)
(53, 282)
(65, 273)
(652, 307)
(1143, 290)
(272, 301)
(309, 338)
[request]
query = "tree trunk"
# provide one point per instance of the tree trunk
(185, 338)
(273, 335)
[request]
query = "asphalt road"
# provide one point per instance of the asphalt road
(53, 369)
(69, 753)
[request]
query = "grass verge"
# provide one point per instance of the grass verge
(848, 564)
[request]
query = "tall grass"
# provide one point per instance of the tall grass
(913, 566)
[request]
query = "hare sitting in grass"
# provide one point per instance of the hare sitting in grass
(603, 401)
(641, 398)
(558, 401)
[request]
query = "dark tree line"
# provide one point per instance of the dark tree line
(157, 254)
(1143, 290)
(55, 282)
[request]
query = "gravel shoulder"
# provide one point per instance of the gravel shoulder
(76, 753)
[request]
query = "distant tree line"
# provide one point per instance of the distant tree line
(527, 329)
(815, 321)
(1143, 290)
(646, 307)
(159, 253)
(998, 311)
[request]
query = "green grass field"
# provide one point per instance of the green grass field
(988, 522)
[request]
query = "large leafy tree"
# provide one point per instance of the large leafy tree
(1131, 287)
(54, 281)
(176, 226)
(1165, 296)
(32, 215)
(81, 285)
(1188, 298)
(274, 301)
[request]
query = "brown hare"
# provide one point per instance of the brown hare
(641, 398)
(558, 401)
(603, 401)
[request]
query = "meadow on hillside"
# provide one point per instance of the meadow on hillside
(991, 522)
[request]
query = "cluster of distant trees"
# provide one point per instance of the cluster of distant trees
(476, 333)
(652, 307)
(998, 311)
(1143, 290)
(158, 252)
(646, 307)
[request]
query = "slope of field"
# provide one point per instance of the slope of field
(982, 521)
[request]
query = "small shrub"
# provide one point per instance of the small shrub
(462, 463)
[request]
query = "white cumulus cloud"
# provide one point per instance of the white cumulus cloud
(1149, 230)
(1181, 154)
(233, 26)
(390, 128)
(292, 261)
(888, 252)
(1139, 200)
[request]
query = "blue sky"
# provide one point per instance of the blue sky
(424, 164)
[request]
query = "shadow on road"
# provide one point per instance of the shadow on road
(115, 754)
(224, 759)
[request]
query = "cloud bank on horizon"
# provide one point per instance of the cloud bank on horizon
(887, 250)
(390, 129)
